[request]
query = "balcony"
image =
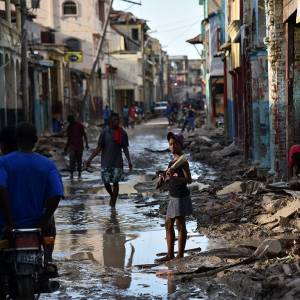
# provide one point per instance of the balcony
(9, 36)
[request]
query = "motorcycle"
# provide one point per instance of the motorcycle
(25, 270)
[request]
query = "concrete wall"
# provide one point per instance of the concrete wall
(260, 109)
(11, 106)
(129, 73)
(296, 87)
(276, 56)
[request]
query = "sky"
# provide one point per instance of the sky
(171, 21)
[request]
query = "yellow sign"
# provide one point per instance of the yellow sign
(74, 56)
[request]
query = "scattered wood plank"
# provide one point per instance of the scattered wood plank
(146, 266)
(207, 271)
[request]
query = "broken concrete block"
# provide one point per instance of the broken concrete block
(265, 219)
(230, 150)
(216, 146)
(235, 187)
(294, 194)
(253, 187)
(251, 173)
(287, 269)
(291, 208)
(269, 204)
(294, 283)
(269, 248)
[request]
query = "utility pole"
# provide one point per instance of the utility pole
(102, 37)
(24, 61)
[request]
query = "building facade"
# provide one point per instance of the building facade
(12, 108)
(261, 76)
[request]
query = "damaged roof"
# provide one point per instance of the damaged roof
(124, 17)
(196, 40)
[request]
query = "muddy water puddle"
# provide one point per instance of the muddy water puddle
(98, 248)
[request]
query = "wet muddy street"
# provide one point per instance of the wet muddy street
(97, 248)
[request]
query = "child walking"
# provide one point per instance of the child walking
(180, 205)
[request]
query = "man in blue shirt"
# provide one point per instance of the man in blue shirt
(30, 186)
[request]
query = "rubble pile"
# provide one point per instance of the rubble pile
(252, 213)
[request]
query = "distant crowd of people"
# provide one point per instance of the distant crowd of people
(184, 115)
(131, 115)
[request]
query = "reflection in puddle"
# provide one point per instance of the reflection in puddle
(97, 240)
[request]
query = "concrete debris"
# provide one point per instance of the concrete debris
(287, 269)
(268, 248)
(230, 150)
(253, 187)
(264, 219)
(251, 173)
(294, 194)
(270, 203)
(241, 206)
(235, 187)
(290, 209)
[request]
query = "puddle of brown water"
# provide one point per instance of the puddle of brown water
(97, 241)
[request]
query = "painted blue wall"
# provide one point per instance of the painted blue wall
(260, 109)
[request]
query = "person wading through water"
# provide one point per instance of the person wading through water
(180, 204)
(113, 139)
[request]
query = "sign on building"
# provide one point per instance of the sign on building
(74, 56)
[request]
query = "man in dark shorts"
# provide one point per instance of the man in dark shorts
(30, 186)
(76, 134)
(113, 139)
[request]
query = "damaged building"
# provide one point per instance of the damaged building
(260, 60)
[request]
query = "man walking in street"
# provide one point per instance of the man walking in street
(113, 139)
(106, 115)
(133, 115)
(30, 186)
(74, 146)
(126, 116)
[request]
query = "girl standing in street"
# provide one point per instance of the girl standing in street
(180, 204)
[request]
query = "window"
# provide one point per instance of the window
(47, 37)
(69, 8)
(135, 34)
(73, 44)
(101, 9)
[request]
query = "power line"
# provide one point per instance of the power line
(178, 27)
(179, 35)
(133, 2)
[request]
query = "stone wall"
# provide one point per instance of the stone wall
(276, 55)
